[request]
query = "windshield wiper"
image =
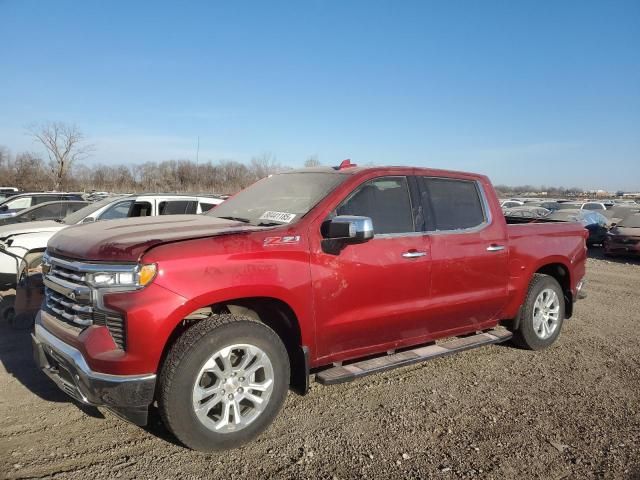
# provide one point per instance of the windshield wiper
(269, 224)
(237, 219)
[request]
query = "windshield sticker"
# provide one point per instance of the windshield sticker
(282, 217)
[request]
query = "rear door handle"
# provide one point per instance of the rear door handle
(413, 254)
(495, 248)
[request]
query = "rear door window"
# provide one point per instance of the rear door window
(141, 209)
(55, 210)
(386, 201)
(451, 204)
(177, 207)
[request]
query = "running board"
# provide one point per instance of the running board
(345, 373)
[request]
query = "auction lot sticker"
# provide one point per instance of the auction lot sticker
(278, 216)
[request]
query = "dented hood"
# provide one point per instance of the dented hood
(126, 240)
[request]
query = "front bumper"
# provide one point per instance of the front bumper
(128, 396)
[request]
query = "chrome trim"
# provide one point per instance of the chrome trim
(414, 254)
(90, 267)
(70, 290)
(127, 395)
(495, 248)
(400, 235)
(78, 360)
(580, 290)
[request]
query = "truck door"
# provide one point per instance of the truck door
(373, 293)
(469, 255)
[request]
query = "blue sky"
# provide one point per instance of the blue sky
(526, 92)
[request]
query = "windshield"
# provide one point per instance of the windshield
(81, 214)
(278, 199)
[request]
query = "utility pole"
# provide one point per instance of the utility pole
(198, 165)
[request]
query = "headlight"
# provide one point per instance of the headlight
(136, 277)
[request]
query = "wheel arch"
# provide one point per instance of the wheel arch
(560, 272)
(274, 313)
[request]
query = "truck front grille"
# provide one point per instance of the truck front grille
(70, 299)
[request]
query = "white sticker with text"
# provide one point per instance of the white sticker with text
(282, 217)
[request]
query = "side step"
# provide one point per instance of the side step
(352, 371)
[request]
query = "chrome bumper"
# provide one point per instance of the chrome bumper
(128, 396)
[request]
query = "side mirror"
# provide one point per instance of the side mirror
(4, 208)
(348, 228)
(88, 220)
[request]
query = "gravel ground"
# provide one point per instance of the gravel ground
(572, 411)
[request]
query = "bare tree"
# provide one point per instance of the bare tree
(64, 144)
(312, 161)
(264, 165)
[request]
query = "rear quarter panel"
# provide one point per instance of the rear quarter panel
(535, 245)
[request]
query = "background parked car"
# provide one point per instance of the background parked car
(624, 238)
(21, 239)
(526, 212)
(511, 203)
(593, 206)
(594, 222)
(11, 206)
(619, 212)
(45, 211)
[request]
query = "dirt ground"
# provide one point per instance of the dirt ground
(571, 412)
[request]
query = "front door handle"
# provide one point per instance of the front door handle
(413, 254)
(495, 248)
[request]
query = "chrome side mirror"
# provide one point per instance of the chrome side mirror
(348, 229)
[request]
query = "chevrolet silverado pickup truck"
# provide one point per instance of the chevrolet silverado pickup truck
(337, 272)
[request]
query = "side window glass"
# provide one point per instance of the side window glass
(205, 207)
(119, 210)
(177, 207)
(141, 209)
(19, 203)
(455, 204)
(74, 207)
(48, 211)
(386, 201)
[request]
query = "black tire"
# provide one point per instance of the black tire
(186, 358)
(525, 335)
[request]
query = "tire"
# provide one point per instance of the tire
(539, 328)
(201, 363)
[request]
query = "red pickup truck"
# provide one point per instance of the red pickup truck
(338, 272)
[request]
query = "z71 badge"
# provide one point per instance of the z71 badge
(286, 240)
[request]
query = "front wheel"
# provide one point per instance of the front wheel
(223, 382)
(542, 314)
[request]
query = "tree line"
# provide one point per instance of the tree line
(66, 168)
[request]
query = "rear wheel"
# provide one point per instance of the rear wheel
(542, 314)
(223, 382)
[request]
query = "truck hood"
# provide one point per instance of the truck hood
(128, 239)
(30, 227)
